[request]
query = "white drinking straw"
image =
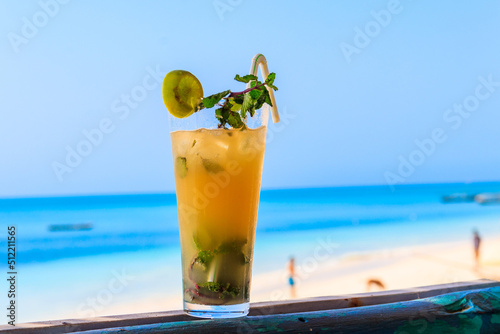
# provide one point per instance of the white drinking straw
(259, 59)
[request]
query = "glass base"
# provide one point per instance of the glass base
(216, 311)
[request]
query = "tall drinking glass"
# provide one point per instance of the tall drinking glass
(217, 177)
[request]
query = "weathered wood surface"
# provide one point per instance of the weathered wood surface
(473, 311)
(365, 299)
(470, 305)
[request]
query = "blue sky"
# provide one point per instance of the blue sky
(378, 92)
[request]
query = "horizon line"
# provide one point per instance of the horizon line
(154, 194)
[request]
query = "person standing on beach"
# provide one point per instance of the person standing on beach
(477, 244)
(291, 276)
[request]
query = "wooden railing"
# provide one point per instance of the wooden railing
(466, 307)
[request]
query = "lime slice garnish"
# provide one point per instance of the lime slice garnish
(182, 93)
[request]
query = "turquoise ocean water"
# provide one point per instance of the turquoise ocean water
(131, 252)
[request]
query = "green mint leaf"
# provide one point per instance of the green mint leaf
(228, 105)
(236, 107)
(238, 99)
(255, 83)
(209, 102)
(230, 291)
(224, 290)
(268, 100)
(251, 111)
(211, 166)
(222, 114)
(255, 94)
(212, 286)
(181, 166)
(270, 79)
(204, 257)
(262, 99)
(234, 120)
(212, 100)
(245, 78)
(218, 113)
(247, 103)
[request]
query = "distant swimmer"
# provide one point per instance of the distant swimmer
(291, 277)
(477, 244)
(374, 282)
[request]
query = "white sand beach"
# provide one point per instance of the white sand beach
(396, 268)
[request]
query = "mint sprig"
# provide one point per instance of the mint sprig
(234, 106)
(212, 100)
(224, 290)
(205, 256)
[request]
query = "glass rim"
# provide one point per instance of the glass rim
(205, 119)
